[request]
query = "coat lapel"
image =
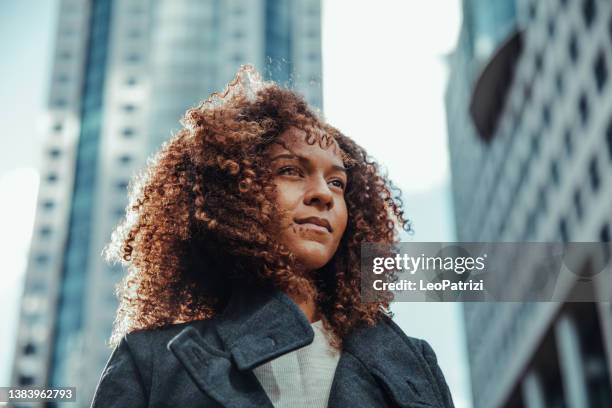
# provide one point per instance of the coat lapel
(380, 353)
(255, 327)
(258, 326)
(212, 371)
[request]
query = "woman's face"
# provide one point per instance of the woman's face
(310, 184)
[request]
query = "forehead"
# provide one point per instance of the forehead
(314, 143)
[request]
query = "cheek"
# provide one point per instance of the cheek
(287, 198)
(343, 218)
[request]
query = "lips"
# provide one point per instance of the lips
(316, 221)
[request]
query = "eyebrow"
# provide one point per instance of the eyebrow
(304, 159)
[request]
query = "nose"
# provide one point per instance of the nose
(318, 193)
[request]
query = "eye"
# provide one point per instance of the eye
(339, 183)
(289, 170)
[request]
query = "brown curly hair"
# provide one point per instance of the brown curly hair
(202, 217)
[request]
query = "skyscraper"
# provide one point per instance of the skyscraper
(123, 74)
(530, 133)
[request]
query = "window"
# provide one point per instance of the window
(122, 185)
(515, 121)
(127, 132)
(238, 34)
(588, 12)
(41, 259)
(48, 205)
(527, 92)
(551, 27)
(502, 227)
(573, 47)
(600, 70)
(37, 287)
(604, 233)
(609, 139)
(559, 82)
(567, 139)
(546, 115)
(131, 81)
(583, 108)
(523, 175)
(45, 231)
(530, 226)
(578, 204)
(62, 78)
(57, 127)
(128, 107)
(542, 202)
(51, 177)
(532, 11)
(125, 159)
(535, 144)
(312, 56)
(563, 230)
(237, 58)
(54, 153)
(133, 34)
(538, 62)
(136, 10)
(65, 55)
(59, 103)
(554, 172)
(26, 380)
(594, 174)
(29, 349)
(133, 57)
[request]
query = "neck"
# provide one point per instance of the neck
(307, 305)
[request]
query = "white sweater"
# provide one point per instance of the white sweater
(303, 377)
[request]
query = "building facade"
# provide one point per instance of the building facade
(123, 74)
(529, 112)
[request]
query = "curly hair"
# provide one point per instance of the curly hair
(202, 217)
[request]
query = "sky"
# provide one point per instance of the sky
(384, 77)
(24, 74)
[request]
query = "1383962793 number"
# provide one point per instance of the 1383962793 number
(34, 394)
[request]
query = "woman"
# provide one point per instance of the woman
(242, 244)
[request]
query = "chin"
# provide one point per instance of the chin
(313, 259)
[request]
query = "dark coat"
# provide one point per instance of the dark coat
(209, 363)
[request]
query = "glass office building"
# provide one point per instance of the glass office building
(123, 74)
(530, 125)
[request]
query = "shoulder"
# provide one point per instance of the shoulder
(398, 359)
(431, 368)
(133, 370)
(386, 332)
(386, 323)
(148, 345)
(143, 338)
(419, 345)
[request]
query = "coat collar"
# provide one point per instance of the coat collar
(255, 327)
(260, 325)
